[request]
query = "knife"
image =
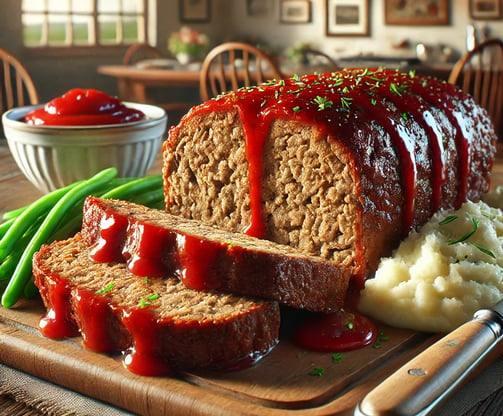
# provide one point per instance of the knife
(420, 385)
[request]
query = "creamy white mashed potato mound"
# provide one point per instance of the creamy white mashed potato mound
(494, 197)
(438, 277)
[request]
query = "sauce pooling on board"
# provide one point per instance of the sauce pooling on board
(83, 107)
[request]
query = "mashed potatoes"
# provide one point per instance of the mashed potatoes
(439, 276)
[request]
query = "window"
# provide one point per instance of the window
(80, 23)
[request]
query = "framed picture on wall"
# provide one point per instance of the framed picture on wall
(417, 12)
(347, 17)
(195, 11)
(295, 11)
(485, 9)
(258, 8)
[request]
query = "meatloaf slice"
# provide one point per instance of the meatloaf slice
(156, 243)
(158, 323)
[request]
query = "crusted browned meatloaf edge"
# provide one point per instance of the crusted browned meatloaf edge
(348, 162)
(154, 242)
(189, 328)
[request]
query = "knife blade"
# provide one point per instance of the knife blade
(421, 384)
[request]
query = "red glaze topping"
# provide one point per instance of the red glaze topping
(335, 332)
(57, 323)
(197, 258)
(94, 315)
(144, 357)
(335, 102)
(108, 247)
(144, 249)
(80, 107)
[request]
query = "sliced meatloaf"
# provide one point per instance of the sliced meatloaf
(158, 323)
(156, 243)
(341, 165)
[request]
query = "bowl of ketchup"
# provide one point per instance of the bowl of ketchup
(76, 135)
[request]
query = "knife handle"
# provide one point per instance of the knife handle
(424, 380)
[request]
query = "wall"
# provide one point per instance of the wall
(55, 74)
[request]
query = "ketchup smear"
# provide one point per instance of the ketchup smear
(83, 107)
(335, 332)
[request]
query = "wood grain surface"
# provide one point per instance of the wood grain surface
(279, 385)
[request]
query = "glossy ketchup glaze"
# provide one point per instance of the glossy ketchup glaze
(198, 263)
(109, 244)
(83, 107)
(149, 250)
(329, 100)
(143, 249)
(342, 330)
(56, 323)
(144, 355)
(335, 332)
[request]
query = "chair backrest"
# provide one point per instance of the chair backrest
(479, 72)
(139, 51)
(17, 88)
(315, 57)
(233, 65)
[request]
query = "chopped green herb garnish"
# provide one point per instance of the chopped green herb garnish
(296, 109)
(148, 300)
(380, 339)
(397, 89)
(448, 219)
(323, 103)
(337, 357)
(106, 289)
(404, 116)
(475, 224)
(346, 101)
(484, 250)
(350, 325)
(317, 371)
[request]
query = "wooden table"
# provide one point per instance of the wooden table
(134, 80)
(279, 385)
(138, 84)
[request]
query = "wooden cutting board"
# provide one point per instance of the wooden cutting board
(280, 384)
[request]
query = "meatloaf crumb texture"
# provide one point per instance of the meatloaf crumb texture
(350, 161)
(238, 263)
(196, 328)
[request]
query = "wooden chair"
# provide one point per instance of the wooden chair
(232, 65)
(480, 73)
(314, 57)
(139, 51)
(17, 88)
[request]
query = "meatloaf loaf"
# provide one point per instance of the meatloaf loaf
(340, 165)
(158, 323)
(155, 243)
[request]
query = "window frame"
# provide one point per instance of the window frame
(145, 32)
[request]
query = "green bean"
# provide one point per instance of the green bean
(4, 227)
(150, 199)
(24, 220)
(22, 273)
(10, 215)
(73, 219)
(30, 290)
(45, 201)
(134, 187)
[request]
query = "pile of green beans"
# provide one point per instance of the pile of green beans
(58, 215)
